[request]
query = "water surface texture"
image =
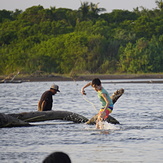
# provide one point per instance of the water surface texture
(138, 139)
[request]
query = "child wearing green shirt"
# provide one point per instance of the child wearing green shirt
(106, 101)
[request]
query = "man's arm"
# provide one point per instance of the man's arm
(41, 106)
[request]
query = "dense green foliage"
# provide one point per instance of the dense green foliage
(84, 40)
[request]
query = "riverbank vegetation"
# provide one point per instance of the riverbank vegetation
(87, 40)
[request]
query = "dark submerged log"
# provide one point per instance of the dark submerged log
(110, 119)
(23, 119)
(50, 115)
(115, 96)
(9, 121)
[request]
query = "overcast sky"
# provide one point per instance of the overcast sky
(109, 5)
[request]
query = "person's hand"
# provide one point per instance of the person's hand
(83, 92)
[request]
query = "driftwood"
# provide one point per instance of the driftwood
(23, 119)
(9, 121)
(115, 96)
(8, 80)
(50, 115)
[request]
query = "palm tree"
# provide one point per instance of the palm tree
(90, 10)
(95, 10)
(84, 8)
(159, 4)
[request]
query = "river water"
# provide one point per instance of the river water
(138, 138)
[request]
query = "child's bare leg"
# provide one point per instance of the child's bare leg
(97, 125)
(97, 122)
(99, 119)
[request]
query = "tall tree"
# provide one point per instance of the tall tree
(95, 9)
(84, 10)
(91, 10)
(160, 4)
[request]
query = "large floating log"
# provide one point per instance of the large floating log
(50, 115)
(23, 119)
(115, 96)
(9, 121)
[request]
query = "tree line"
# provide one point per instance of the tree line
(87, 40)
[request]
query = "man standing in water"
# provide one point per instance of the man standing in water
(107, 103)
(46, 101)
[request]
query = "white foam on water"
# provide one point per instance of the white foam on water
(108, 126)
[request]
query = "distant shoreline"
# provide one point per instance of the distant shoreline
(87, 77)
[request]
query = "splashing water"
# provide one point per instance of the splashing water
(107, 126)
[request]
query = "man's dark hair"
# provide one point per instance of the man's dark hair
(96, 81)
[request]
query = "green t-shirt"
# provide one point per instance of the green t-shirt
(103, 91)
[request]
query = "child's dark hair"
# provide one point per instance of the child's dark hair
(96, 81)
